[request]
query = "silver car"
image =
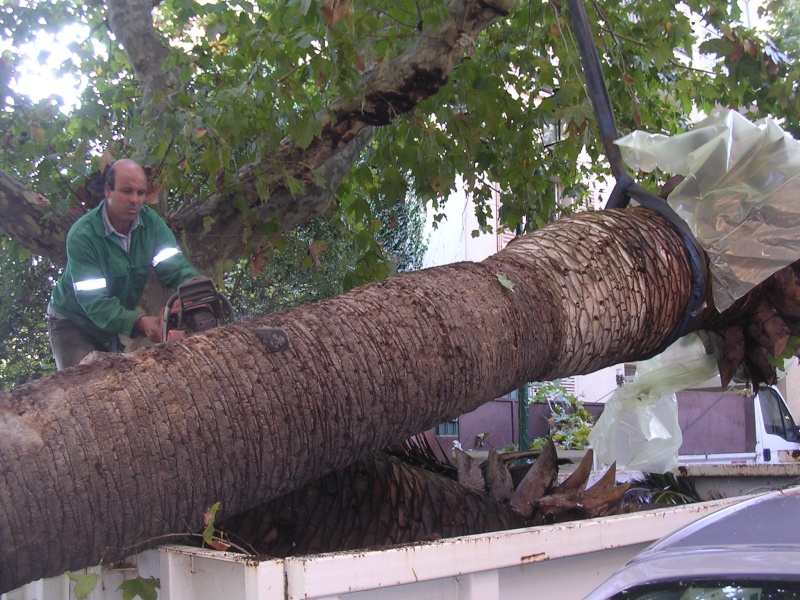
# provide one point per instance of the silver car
(748, 551)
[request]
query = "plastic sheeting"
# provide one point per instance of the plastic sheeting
(740, 195)
(639, 426)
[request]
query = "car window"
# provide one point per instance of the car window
(713, 590)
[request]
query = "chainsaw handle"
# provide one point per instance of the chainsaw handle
(228, 313)
(165, 316)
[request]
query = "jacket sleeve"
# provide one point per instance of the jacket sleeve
(171, 265)
(91, 288)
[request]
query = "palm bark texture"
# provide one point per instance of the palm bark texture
(376, 502)
(100, 459)
(381, 500)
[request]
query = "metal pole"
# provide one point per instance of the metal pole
(522, 397)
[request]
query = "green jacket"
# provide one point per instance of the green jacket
(102, 284)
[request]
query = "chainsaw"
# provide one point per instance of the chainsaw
(196, 306)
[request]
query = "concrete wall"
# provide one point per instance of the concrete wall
(450, 240)
(597, 386)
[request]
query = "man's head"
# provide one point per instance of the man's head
(125, 190)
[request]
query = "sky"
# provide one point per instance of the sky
(35, 77)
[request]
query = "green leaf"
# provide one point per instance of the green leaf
(505, 281)
(143, 588)
(716, 46)
(84, 584)
(304, 130)
(209, 517)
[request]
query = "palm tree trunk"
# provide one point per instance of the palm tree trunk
(377, 501)
(105, 456)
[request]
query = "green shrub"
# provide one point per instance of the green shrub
(570, 423)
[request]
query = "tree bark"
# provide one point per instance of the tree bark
(132, 24)
(30, 219)
(375, 502)
(382, 500)
(105, 456)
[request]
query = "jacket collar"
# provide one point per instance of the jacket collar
(109, 228)
(99, 220)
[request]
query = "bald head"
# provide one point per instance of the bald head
(124, 164)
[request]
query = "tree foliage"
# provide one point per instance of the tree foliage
(326, 257)
(26, 282)
(570, 423)
(784, 27)
(252, 73)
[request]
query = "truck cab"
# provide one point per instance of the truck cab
(781, 437)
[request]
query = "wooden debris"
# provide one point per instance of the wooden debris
(609, 478)
(498, 479)
(729, 347)
(469, 471)
(383, 501)
(537, 482)
(580, 476)
(592, 503)
(769, 329)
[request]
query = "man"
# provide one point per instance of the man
(110, 251)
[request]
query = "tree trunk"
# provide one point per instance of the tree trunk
(382, 500)
(375, 502)
(100, 459)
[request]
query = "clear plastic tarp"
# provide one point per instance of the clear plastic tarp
(639, 426)
(741, 199)
(740, 195)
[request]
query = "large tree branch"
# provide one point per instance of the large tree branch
(289, 210)
(132, 24)
(114, 453)
(29, 218)
(385, 93)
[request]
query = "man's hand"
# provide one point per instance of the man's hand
(150, 326)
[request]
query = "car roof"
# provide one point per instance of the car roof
(760, 520)
(758, 537)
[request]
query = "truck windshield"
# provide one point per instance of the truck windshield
(713, 590)
(777, 419)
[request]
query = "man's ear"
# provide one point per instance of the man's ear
(107, 190)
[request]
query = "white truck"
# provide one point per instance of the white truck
(736, 442)
(736, 427)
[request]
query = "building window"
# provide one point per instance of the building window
(626, 373)
(448, 429)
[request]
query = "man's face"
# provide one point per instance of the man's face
(124, 202)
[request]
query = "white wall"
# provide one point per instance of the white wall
(597, 386)
(451, 241)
